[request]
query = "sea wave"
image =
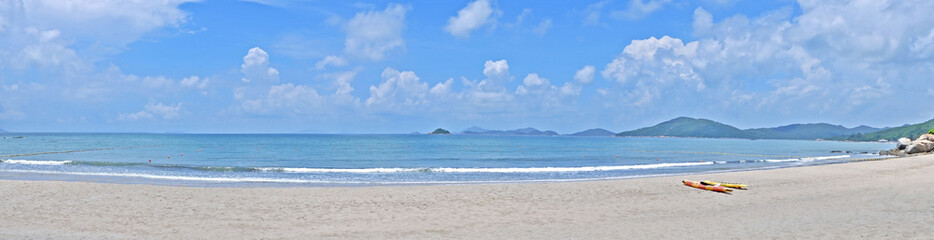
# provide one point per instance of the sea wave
(416, 169)
(483, 170)
(175, 177)
(35, 162)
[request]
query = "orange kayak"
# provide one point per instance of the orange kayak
(706, 187)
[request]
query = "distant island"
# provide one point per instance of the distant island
(440, 131)
(596, 132)
(521, 132)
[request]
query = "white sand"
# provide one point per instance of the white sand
(876, 200)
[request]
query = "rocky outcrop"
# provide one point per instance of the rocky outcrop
(924, 144)
(903, 143)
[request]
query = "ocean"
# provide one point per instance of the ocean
(364, 160)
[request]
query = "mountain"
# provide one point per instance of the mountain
(2, 131)
(808, 131)
(689, 127)
(594, 132)
(474, 129)
(910, 131)
(522, 131)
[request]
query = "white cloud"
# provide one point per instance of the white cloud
(194, 82)
(256, 67)
(497, 74)
(496, 70)
(50, 34)
(656, 61)
(151, 111)
(593, 12)
(442, 88)
(703, 21)
(533, 79)
(538, 96)
(115, 22)
(399, 92)
(542, 27)
(288, 99)
(834, 59)
(341, 81)
(473, 16)
(585, 74)
(330, 61)
(639, 9)
(371, 34)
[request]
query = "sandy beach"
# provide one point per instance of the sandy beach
(886, 199)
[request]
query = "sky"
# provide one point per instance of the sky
(293, 66)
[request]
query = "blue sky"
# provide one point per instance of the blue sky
(404, 66)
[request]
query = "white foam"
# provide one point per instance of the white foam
(34, 162)
(809, 159)
(485, 170)
(177, 178)
(341, 170)
(782, 160)
(805, 159)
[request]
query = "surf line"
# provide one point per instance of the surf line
(72, 151)
(717, 153)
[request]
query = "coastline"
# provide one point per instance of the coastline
(889, 198)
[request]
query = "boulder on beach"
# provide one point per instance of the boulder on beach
(920, 146)
(924, 144)
(927, 137)
(903, 143)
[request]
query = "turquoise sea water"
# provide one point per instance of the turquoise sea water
(340, 160)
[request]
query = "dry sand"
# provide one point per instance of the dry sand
(877, 200)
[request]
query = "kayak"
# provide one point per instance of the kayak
(729, 185)
(706, 187)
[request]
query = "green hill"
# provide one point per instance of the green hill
(910, 131)
(594, 132)
(689, 127)
(440, 131)
(808, 131)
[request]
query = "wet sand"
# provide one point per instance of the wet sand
(886, 199)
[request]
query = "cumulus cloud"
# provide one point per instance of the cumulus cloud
(371, 34)
(540, 98)
(832, 59)
(153, 111)
(399, 91)
(256, 67)
(473, 16)
(656, 62)
(288, 98)
(585, 74)
(498, 70)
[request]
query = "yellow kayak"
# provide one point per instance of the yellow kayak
(705, 187)
(729, 185)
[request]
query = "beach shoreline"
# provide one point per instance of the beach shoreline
(870, 199)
